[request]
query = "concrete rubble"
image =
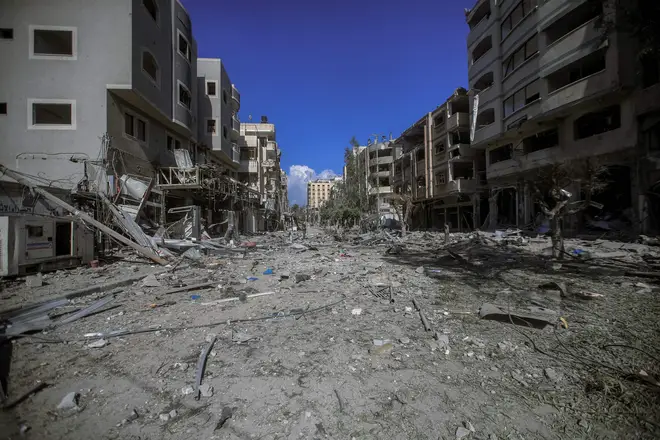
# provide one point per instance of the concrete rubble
(275, 356)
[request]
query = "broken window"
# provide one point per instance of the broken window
(480, 49)
(501, 154)
(439, 120)
(211, 88)
(184, 47)
(485, 118)
(578, 70)
(484, 82)
(574, 19)
(185, 98)
(596, 123)
(34, 231)
(53, 42)
(481, 13)
(463, 170)
(440, 148)
(211, 126)
(150, 65)
(523, 97)
(541, 141)
(141, 130)
(519, 12)
(129, 124)
(459, 137)
(523, 53)
(173, 144)
(650, 71)
(440, 179)
(46, 113)
(420, 154)
(152, 8)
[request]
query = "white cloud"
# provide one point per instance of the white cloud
(299, 175)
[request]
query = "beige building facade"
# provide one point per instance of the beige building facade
(318, 192)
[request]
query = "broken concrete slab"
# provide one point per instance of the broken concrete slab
(69, 402)
(151, 281)
(34, 280)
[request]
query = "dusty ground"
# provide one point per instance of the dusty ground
(317, 374)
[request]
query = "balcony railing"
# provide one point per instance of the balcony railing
(235, 97)
(235, 127)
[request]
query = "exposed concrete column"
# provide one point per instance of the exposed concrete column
(428, 147)
(476, 211)
(492, 203)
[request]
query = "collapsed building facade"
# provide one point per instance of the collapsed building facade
(547, 88)
(120, 109)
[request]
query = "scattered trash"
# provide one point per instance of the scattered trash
(201, 364)
(356, 312)
(70, 401)
(404, 340)
(34, 280)
(98, 344)
(462, 432)
(300, 277)
(151, 281)
(195, 297)
(225, 415)
(188, 389)
(420, 270)
(192, 254)
(268, 271)
(381, 346)
(206, 390)
(252, 278)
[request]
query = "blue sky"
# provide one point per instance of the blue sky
(326, 71)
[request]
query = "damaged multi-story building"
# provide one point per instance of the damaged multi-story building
(260, 170)
(374, 163)
(439, 170)
(548, 86)
(111, 101)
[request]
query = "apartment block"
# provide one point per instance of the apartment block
(374, 164)
(96, 93)
(260, 168)
(440, 169)
(219, 102)
(319, 191)
(547, 87)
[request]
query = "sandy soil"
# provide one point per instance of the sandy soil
(307, 366)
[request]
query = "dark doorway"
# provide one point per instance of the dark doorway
(63, 239)
(507, 211)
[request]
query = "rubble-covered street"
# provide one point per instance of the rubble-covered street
(320, 338)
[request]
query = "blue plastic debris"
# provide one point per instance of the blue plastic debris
(268, 271)
(252, 278)
(195, 297)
